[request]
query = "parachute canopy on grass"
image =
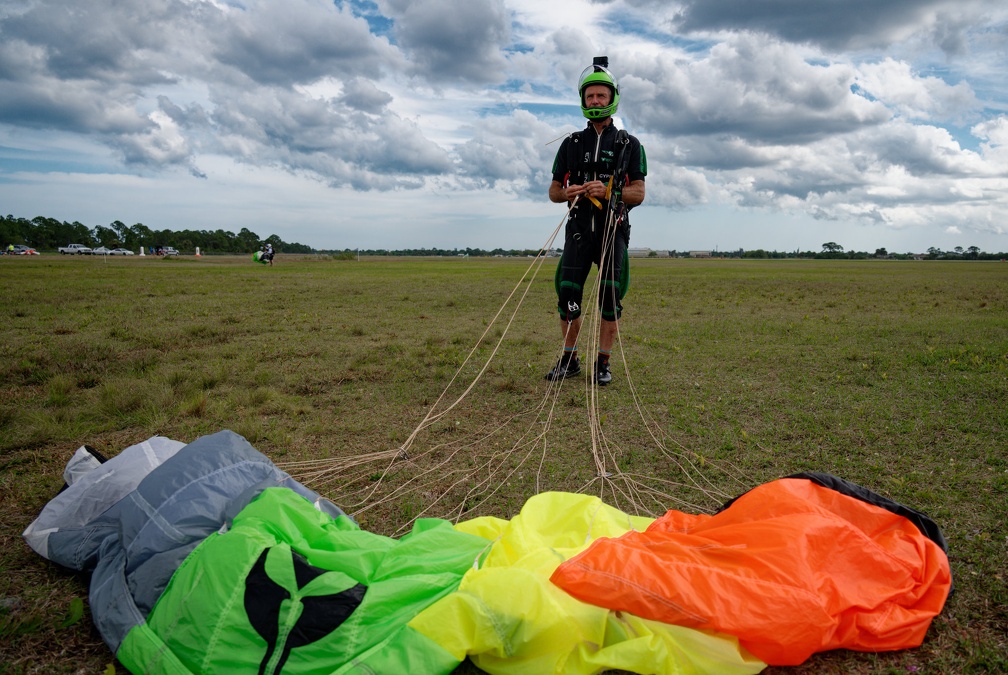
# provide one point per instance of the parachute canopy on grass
(206, 557)
(795, 566)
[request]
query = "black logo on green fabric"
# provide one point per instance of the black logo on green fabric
(321, 615)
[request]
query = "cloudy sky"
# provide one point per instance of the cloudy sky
(772, 124)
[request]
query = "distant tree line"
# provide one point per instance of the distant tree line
(49, 234)
(348, 253)
(833, 251)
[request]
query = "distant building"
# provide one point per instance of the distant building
(699, 254)
(646, 253)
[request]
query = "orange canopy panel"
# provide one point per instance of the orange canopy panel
(792, 567)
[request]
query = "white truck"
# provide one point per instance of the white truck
(79, 249)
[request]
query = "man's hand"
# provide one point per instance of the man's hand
(592, 189)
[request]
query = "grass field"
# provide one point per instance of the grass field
(893, 375)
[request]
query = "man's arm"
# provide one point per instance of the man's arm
(557, 193)
(633, 193)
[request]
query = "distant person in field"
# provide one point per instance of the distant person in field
(600, 170)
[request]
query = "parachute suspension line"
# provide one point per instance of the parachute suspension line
(485, 487)
(618, 484)
(546, 407)
(592, 390)
(481, 488)
(328, 470)
(630, 487)
(593, 317)
(453, 476)
(552, 397)
(558, 138)
(680, 458)
(434, 414)
(445, 469)
(321, 472)
(536, 265)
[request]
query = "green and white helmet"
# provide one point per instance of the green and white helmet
(598, 73)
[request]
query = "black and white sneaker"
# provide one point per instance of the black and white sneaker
(563, 369)
(603, 376)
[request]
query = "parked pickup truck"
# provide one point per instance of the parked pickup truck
(79, 249)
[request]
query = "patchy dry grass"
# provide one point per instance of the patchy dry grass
(891, 374)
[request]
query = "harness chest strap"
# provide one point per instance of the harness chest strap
(577, 164)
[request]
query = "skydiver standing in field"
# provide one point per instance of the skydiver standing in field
(601, 171)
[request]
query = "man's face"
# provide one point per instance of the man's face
(597, 96)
